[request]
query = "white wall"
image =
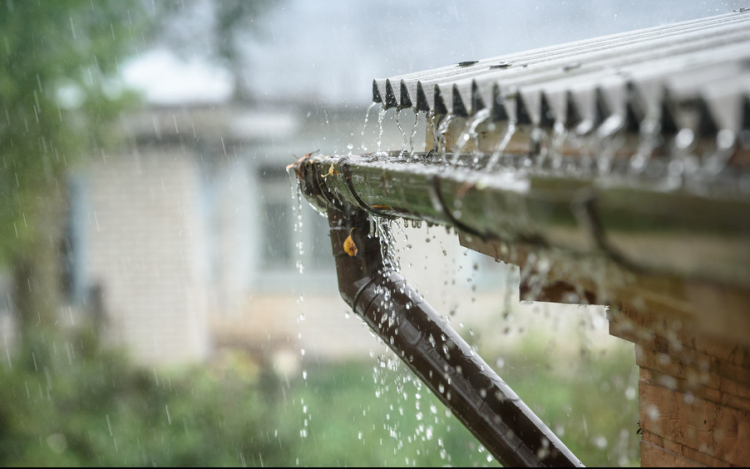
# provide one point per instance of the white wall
(144, 239)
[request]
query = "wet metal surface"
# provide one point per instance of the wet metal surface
(707, 59)
(469, 387)
(702, 234)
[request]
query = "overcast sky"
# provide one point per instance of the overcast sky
(329, 51)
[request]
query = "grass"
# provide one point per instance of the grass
(355, 412)
(76, 405)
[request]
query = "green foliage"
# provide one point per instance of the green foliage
(49, 50)
(220, 37)
(76, 404)
(359, 416)
(591, 403)
(80, 405)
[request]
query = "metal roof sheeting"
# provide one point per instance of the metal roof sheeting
(693, 74)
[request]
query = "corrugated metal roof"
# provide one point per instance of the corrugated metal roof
(693, 74)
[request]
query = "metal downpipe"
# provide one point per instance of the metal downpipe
(475, 394)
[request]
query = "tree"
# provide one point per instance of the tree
(217, 29)
(58, 90)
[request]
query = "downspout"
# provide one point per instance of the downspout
(467, 386)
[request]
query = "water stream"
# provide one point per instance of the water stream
(469, 132)
(501, 146)
(367, 115)
(557, 145)
(381, 117)
(647, 141)
(413, 133)
(716, 160)
(404, 138)
(442, 133)
(433, 126)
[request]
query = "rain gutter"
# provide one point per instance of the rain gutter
(700, 230)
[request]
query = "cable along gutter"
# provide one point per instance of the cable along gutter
(637, 224)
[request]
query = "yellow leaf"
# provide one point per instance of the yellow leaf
(349, 245)
(331, 171)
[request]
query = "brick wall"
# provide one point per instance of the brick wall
(143, 240)
(694, 393)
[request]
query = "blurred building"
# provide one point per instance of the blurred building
(189, 228)
(191, 239)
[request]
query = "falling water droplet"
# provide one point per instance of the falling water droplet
(413, 133)
(381, 116)
(367, 115)
(501, 146)
(403, 133)
(469, 132)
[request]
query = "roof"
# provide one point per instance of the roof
(701, 65)
(571, 175)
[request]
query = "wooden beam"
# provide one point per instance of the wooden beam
(702, 313)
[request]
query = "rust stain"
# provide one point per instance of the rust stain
(331, 171)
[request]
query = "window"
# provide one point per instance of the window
(277, 235)
(285, 246)
(70, 246)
